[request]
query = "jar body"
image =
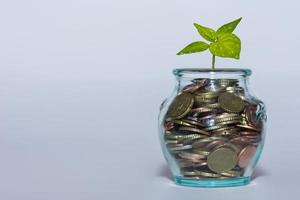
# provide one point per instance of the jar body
(212, 128)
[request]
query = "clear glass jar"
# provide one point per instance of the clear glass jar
(212, 128)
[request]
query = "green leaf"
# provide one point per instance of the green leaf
(228, 46)
(194, 48)
(229, 28)
(207, 33)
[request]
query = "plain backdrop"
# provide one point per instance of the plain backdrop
(81, 82)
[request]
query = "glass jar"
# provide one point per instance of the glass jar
(212, 128)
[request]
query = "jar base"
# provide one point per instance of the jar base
(212, 183)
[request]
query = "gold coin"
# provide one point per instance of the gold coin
(232, 173)
(231, 102)
(213, 105)
(202, 100)
(231, 89)
(206, 94)
(222, 159)
(180, 106)
(201, 110)
(227, 119)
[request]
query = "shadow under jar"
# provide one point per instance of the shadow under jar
(212, 128)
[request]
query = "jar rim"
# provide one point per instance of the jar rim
(218, 71)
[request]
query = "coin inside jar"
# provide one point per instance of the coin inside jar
(231, 102)
(222, 159)
(194, 87)
(246, 155)
(180, 106)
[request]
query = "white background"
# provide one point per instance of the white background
(81, 82)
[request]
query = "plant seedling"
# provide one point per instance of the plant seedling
(222, 43)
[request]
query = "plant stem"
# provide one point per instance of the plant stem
(213, 62)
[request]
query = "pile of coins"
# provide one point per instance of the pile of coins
(212, 129)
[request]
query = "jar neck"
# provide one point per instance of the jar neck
(185, 76)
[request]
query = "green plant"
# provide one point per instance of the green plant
(222, 43)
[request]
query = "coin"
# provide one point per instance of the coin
(171, 141)
(207, 174)
(231, 173)
(226, 82)
(203, 142)
(188, 163)
(222, 159)
(249, 133)
(206, 94)
(213, 105)
(240, 140)
(200, 100)
(191, 88)
(219, 120)
(180, 106)
(215, 144)
(201, 152)
(221, 125)
(189, 173)
(193, 122)
(199, 144)
(194, 130)
(212, 138)
(227, 115)
(208, 116)
(201, 110)
(196, 86)
(179, 148)
(226, 132)
(183, 136)
(248, 127)
(246, 155)
(191, 156)
(201, 81)
(234, 146)
(203, 174)
(183, 123)
(169, 126)
(168, 132)
(231, 102)
(234, 89)
(251, 109)
(190, 140)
